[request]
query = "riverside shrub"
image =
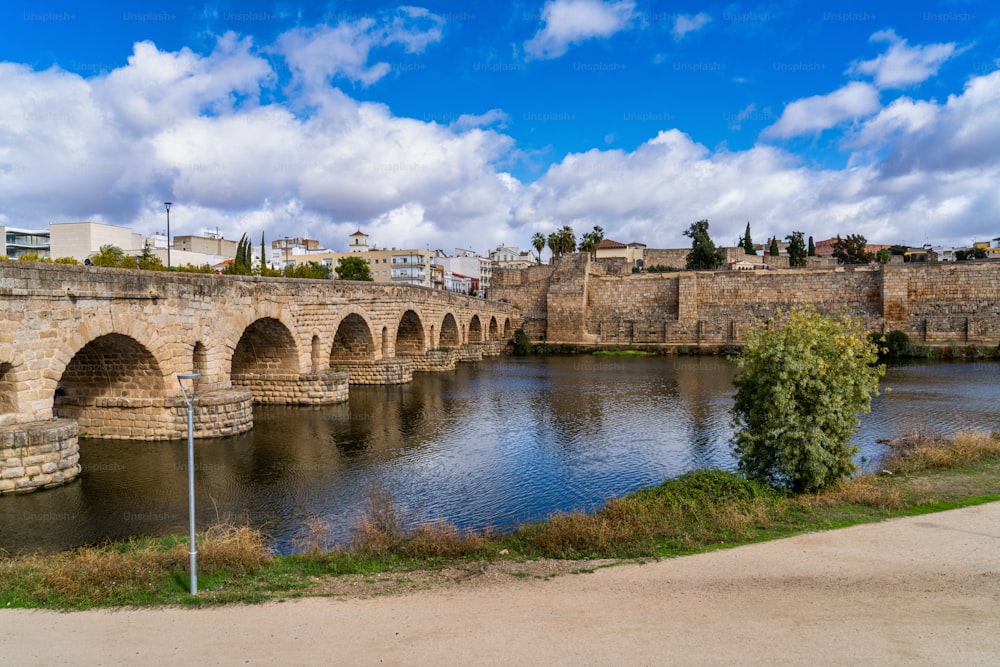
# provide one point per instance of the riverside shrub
(803, 382)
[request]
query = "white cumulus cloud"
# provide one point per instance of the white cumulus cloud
(903, 65)
(569, 22)
(686, 23)
(822, 112)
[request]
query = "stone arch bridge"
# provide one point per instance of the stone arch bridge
(96, 351)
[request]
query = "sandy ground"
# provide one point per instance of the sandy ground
(913, 591)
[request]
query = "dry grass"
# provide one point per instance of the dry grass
(696, 509)
(90, 573)
(133, 572)
(869, 491)
(237, 549)
(442, 540)
(317, 539)
(379, 532)
(380, 529)
(932, 452)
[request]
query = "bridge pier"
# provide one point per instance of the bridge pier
(494, 348)
(217, 414)
(471, 352)
(396, 370)
(38, 455)
(436, 360)
(322, 388)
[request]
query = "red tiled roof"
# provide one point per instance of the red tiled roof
(608, 243)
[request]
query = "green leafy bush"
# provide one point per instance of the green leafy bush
(804, 380)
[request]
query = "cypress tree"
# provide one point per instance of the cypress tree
(747, 242)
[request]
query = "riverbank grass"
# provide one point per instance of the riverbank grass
(701, 511)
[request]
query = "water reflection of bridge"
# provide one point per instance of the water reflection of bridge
(98, 351)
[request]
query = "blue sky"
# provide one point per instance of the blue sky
(470, 124)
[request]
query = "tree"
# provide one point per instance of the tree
(590, 240)
(802, 384)
(703, 255)
(242, 264)
(747, 242)
(263, 256)
(796, 249)
(812, 248)
(538, 241)
(353, 268)
(109, 256)
(884, 256)
(554, 244)
(147, 261)
(773, 248)
(312, 270)
(567, 240)
(852, 250)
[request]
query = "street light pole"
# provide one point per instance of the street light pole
(168, 205)
(193, 553)
(286, 256)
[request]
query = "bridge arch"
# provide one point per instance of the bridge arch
(353, 340)
(410, 340)
(508, 332)
(450, 336)
(8, 391)
(475, 330)
(114, 388)
(96, 328)
(266, 346)
(112, 365)
(494, 329)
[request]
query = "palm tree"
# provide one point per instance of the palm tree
(589, 241)
(554, 244)
(538, 241)
(567, 240)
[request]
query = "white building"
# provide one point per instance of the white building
(467, 263)
(19, 242)
(509, 257)
(80, 240)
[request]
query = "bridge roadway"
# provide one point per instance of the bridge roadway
(96, 351)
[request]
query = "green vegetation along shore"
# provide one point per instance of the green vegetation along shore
(700, 511)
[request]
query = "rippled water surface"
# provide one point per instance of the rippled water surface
(491, 444)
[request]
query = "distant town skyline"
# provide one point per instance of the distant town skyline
(451, 124)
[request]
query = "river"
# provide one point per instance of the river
(492, 444)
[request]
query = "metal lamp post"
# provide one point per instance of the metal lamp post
(195, 378)
(168, 205)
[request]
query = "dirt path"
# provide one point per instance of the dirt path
(914, 591)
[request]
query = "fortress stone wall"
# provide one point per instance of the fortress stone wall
(576, 301)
